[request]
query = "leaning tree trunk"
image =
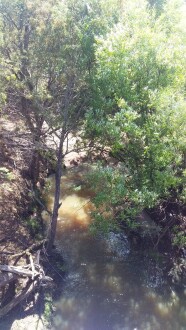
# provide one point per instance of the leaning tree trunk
(184, 159)
(53, 224)
(34, 168)
(35, 127)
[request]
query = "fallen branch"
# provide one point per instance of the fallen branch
(22, 271)
(34, 247)
(33, 271)
(32, 265)
(7, 278)
(18, 298)
(18, 270)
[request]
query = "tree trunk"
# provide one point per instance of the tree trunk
(34, 169)
(184, 160)
(53, 225)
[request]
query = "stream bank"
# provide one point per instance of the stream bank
(20, 218)
(103, 262)
(110, 283)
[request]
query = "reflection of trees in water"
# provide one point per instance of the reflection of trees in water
(105, 292)
(108, 286)
(92, 312)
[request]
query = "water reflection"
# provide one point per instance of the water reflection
(108, 286)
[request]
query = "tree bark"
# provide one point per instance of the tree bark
(53, 225)
(18, 270)
(184, 160)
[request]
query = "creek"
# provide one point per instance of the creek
(109, 284)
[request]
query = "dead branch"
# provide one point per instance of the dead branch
(7, 278)
(33, 271)
(18, 298)
(33, 248)
(18, 270)
(32, 266)
(23, 271)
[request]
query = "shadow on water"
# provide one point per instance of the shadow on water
(108, 286)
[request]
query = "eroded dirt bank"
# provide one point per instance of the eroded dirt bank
(16, 207)
(14, 187)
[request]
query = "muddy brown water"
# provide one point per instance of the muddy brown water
(108, 285)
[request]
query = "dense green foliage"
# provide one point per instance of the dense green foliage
(139, 108)
(112, 70)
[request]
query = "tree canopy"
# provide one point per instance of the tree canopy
(139, 108)
(112, 70)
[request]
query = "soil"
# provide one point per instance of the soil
(15, 201)
(16, 206)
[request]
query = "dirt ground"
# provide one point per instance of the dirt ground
(14, 201)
